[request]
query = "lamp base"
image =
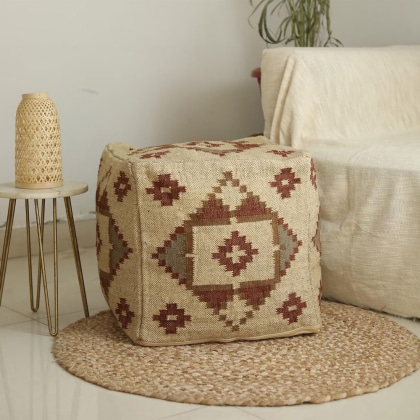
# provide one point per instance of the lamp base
(39, 186)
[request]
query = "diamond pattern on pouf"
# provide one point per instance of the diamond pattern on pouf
(209, 241)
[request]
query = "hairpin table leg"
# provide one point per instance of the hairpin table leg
(70, 188)
(76, 254)
(34, 305)
(6, 243)
(40, 229)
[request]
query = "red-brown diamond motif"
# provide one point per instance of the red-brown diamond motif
(109, 239)
(292, 308)
(125, 316)
(285, 182)
(235, 254)
(282, 153)
(122, 186)
(313, 174)
(171, 318)
(165, 190)
(157, 155)
(241, 231)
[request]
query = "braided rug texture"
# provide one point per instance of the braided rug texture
(356, 352)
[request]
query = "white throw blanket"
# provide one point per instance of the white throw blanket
(357, 111)
(340, 94)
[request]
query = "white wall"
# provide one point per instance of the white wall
(150, 72)
(147, 72)
(360, 23)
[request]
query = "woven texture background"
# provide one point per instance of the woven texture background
(356, 352)
(209, 241)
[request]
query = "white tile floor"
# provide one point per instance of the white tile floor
(34, 387)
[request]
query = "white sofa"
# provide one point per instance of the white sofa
(357, 111)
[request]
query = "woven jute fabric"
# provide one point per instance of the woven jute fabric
(209, 241)
(357, 351)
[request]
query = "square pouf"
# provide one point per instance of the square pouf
(209, 241)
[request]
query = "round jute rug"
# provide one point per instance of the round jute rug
(356, 352)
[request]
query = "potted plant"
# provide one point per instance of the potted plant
(301, 23)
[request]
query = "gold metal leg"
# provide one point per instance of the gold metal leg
(40, 229)
(40, 217)
(34, 306)
(73, 236)
(6, 243)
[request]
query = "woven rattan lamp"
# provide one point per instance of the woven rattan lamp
(38, 162)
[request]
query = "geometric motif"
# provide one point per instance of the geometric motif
(320, 292)
(316, 240)
(208, 144)
(208, 147)
(171, 318)
(157, 155)
(169, 254)
(236, 253)
(124, 314)
(208, 241)
(151, 152)
(283, 153)
(292, 308)
(285, 182)
(122, 186)
(165, 190)
(110, 240)
(214, 148)
(255, 249)
(313, 174)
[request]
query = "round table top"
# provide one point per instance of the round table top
(69, 188)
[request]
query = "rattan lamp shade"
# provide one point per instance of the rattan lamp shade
(38, 162)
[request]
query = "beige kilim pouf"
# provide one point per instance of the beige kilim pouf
(209, 241)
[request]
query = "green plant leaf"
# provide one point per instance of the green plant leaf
(304, 23)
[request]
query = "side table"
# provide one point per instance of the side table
(67, 190)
